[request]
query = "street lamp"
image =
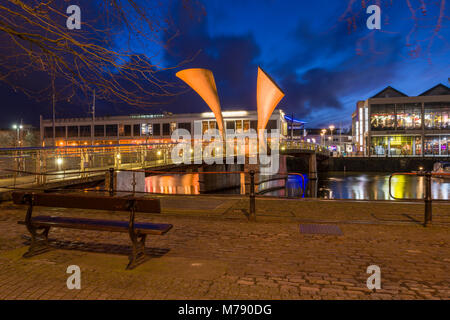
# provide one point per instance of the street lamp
(331, 130)
(17, 128)
(322, 134)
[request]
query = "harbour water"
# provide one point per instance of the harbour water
(331, 185)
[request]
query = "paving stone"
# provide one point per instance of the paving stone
(214, 255)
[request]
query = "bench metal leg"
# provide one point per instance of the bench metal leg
(39, 242)
(137, 255)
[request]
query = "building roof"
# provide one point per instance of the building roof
(437, 90)
(289, 119)
(389, 92)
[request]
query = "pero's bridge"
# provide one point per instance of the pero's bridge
(50, 167)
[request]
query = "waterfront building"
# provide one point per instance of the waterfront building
(339, 141)
(148, 128)
(393, 124)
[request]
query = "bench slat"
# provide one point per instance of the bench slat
(97, 224)
(90, 201)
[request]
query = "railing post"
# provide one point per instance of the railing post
(37, 166)
(242, 178)
(134, 183)
(252, 215)
(111, 181)
(428, 199)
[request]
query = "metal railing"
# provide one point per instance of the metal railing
(428, 198)
(41, 165)
(288, 145)
(112, 191)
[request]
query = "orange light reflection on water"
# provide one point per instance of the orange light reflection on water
(173, 184)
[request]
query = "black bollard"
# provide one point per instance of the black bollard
(428, 199)
(111, 181)
(252, 216)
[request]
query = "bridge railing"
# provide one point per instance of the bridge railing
(303, 145)
(427, 198)
(42, 165)
(248, 187)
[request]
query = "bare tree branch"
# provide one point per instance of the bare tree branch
(34, 39)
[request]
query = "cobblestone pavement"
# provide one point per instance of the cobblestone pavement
(213, 252)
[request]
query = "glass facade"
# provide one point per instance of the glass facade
(136, 130)
(60, 132)
(124, 130)
(142, 128)
(156, 129)
(382, 117)
(437, 116)
(396, 116)
(437, 145)
(396, 145)
(111, 130)
(72, 131)
(85, 131)
(185, 126)
(166, 129)
(99, 130)
(409, 116)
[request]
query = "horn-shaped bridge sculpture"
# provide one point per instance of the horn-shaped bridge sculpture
(268, 95)
(202, 82)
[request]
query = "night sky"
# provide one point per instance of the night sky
(320, 53)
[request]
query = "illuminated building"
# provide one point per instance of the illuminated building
(394, 124)
(148, 128)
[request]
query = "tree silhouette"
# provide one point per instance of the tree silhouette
(116, 51)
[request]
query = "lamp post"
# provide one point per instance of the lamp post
(17, 128)
(331, 130)
(322, 134)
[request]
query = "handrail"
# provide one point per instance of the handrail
(85, 146)
(303, 180)
(252, 195)
(428, 214)
(401, 174)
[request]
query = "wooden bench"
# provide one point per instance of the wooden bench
(39, 226)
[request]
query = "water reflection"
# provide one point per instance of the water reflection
(375, 186)
(173, 184)
(333, 185)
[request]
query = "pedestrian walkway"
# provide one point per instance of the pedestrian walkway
(213, 252)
